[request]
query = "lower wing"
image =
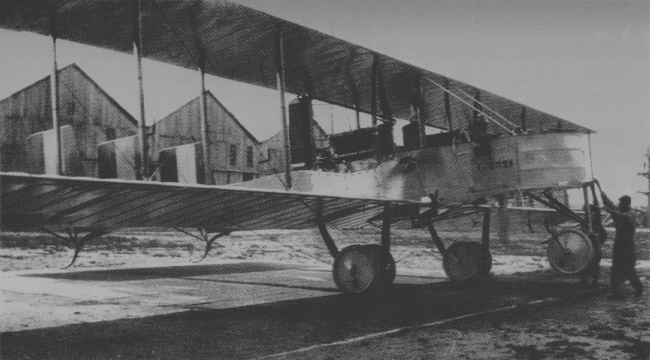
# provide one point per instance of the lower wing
(32, 201)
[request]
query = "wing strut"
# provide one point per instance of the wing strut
(205, 139)
(54, 96)
(373, 89)
(279, 66)
(141, 157)
(208, 179)
(353, 88)
(422, 132)
(450, 124)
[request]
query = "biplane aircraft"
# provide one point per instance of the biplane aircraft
(487, 146)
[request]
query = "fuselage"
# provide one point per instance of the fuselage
(457, 172)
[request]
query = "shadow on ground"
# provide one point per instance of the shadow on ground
(168, 271)
(260, 330)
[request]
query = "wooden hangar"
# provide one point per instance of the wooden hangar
(98, 136)
(84, 108)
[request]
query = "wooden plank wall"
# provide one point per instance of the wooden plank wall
(93, 115)
(183, 126)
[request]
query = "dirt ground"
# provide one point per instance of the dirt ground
(593, 328)
(596, 328)
(412, 249)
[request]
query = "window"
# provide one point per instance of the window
(233, 154)
(110, 134)
(249, 156)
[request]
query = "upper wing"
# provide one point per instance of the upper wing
(29, 201)
(239, 44)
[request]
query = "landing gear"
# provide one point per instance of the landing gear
(464, 260)
(486, 258)
(362, 268)
(387, 271)
(570, 252)
(357, 269)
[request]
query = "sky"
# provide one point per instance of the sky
(585, 61)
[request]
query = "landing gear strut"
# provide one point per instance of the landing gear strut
(572, 251)
(464, 260)
(362, 268)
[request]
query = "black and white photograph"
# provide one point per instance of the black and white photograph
(325, 179)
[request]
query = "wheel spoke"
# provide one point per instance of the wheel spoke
(571, 252)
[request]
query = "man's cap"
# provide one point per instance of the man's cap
(625, 199)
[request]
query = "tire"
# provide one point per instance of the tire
(463, 261)
(570, 252)
(487, 257)
(387, 274)
(356, 270)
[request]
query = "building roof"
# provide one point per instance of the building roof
(74, 67)
(213, 98)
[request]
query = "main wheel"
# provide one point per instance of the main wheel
(387, 272)
(486, 255)
(463, 261)
(570, 252)
(356, 270)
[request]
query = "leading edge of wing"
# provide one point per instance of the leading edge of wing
(171, 187)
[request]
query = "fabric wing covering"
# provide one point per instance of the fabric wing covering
(239, 44)
(30, 201)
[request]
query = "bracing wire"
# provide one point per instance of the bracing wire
(470, 105)
(276, 173)
(487, 107)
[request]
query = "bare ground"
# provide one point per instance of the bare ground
(412, 248)
(594, 328)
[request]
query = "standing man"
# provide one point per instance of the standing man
(623, 258)
(598, 238)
